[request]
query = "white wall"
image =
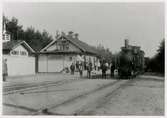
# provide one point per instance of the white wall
(67, 61)
(42, 63)
(56, 63)
(50, 64)
(53, 63)
(18, 65)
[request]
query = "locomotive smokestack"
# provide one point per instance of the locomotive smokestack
(126, 43)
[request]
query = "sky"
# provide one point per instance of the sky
(97, 23)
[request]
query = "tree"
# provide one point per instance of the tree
(157, 62)
(105, 53)
(13, 27)
(161, 56)
(36, 39)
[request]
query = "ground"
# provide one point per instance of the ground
(65, 94)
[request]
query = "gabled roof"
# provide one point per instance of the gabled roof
(47, 46)
(84, 47)
(14, 43)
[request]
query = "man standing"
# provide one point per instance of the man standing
(112, 67)
(89, 69)
(104, 69)
(72, 67)
(5, 69)
(80, 67)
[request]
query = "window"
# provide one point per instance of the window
(6, 37)
(67, 47)
(3, 36)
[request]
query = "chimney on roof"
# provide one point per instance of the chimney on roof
(76, 35)
(70, 33)
(62, 33)
(57, 34)
(126, 43)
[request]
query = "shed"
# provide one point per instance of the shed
(20, 58)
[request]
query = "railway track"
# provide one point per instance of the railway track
(20, 88)
(91, 107)
(55, 109)
(24, 88)
(80, 99)
(69, 100)
(28, 87)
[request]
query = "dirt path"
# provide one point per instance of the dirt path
(15, 99)
(143, 95)
(76, 104)
(107, 97)
(137, 97)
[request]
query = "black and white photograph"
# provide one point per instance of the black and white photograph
(83, 58)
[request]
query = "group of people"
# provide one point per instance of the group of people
(113, 70)
(80, 66)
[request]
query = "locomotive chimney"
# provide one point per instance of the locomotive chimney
(126, 43)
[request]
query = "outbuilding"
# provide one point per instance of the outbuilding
(20, 58)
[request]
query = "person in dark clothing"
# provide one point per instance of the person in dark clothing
(85, 65)
(112, 67)
(72, 67)
(89, 69)
(5, 69)
(80, 68)
(104, 69)
(77, 65)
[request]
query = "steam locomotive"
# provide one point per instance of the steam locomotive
(130, 61)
